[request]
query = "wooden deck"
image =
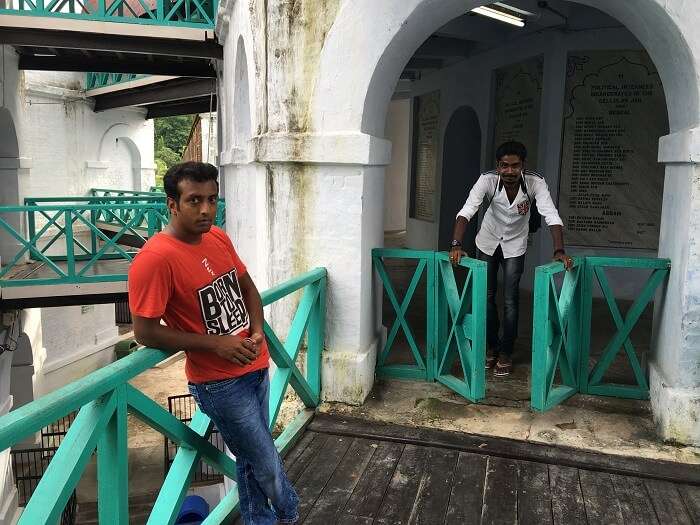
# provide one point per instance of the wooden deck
(349, 471)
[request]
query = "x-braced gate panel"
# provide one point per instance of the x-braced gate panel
(452, 350)
(563, 362)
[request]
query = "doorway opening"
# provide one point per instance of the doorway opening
(583, 94)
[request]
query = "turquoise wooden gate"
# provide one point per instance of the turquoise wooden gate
(562, 328)
(453, 348)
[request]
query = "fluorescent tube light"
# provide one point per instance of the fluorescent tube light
(499, 15)
(514, 9)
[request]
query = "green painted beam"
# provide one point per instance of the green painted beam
(292, 285)
(113, 465)
(164, 422)
(177, 481)
(64, 471)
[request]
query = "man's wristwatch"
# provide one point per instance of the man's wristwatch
(455, 244)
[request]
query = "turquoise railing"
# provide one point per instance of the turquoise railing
(176, 13)
(562, 328)
(104, 398)
(107, 192)
(421, 355)
(461, 327)
(73, 237)
(453, 350)
(556, 334)
(592, 379)
(99, 80)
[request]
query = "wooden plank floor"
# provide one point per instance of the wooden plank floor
(346, 479)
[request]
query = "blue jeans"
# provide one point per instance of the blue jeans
(239, 409)
(512, 272)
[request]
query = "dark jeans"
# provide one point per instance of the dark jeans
(239, 409)
(512, 271)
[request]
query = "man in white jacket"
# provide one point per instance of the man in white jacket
(510, 191)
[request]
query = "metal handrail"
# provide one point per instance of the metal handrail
(174, 13)
(54, 235)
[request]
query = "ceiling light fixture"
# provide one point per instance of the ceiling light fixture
(501, 16)
(514, 9)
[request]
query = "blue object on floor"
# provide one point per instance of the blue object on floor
(193, 511)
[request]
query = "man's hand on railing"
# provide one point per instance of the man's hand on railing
(238, 350)
(560, 256)
(456, 254)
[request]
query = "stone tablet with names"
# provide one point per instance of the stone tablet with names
(517, 106)
(426, 138)
(611, 185)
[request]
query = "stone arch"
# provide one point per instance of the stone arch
(243, 50)
(9, 180)
(350, 96)
(241, 98)
(116, 136)
(358, 75)
(135, 161)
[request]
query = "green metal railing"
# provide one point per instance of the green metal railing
(174, 13)
(556, 334)
(422, 355)
(111, 197)
(107, 192)
(99, 80)
(562, 328)
(591, 379)
(461, 327)
(105, 398)
(72, 235)
(453, 350)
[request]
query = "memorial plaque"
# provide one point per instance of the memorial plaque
(426, 133)
(517, 106)
(611, 185)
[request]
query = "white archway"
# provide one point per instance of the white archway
(361, 62)
(110, 169)
(135, 155)
(352, 97)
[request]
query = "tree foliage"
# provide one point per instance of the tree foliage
(171, 134)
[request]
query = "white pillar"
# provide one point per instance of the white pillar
(675, 368)
(326, 208)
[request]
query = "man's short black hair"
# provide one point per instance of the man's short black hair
(191, 170)
(512, 148)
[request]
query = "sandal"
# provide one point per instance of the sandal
(503, 368)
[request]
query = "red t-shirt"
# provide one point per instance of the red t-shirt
(194, 288)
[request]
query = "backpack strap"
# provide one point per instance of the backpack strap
(523, 183)
(495, 190)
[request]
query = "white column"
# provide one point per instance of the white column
(325, 207)
(675, 368)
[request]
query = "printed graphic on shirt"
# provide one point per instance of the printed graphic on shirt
(523, 208)
(223, 309)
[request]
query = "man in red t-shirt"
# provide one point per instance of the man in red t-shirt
(190, 277)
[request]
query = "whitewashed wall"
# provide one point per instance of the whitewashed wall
(320, 76)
